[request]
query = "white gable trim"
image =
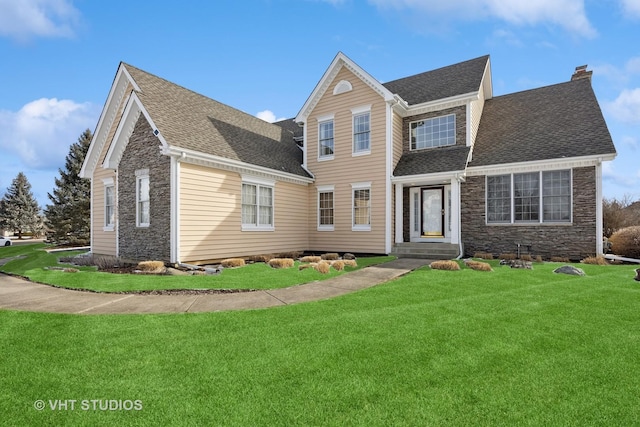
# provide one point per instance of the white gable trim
(340, 61)
(130, 116)
(540, 165)
(115, 99)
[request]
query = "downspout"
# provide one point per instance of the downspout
(460, 180)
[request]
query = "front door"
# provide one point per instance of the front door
(432, 212)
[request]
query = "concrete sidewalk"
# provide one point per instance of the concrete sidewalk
(19, 294)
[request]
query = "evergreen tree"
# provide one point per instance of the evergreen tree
(19, 210)
(68, 217)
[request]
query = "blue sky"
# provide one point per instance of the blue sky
(59, 58)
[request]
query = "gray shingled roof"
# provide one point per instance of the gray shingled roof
(563, 120)
(192, 121)
(434, 160)
(456, 79)
(291, 126)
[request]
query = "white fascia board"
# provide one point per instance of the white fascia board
(561, 163)
(429, 178)
(440, 104)
(210, 160)
(341, 60)
(487, 81)
(115, 97)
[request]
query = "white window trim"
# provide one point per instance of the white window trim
(323, 119)
(455, 134)
(326, 189)
(109, 183)
(142, 174)
(259, 182)
(354, 187)
(540, 221)
(356, 111)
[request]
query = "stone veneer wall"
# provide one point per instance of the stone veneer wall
(575, 241)
(153, 242)
(461, 125)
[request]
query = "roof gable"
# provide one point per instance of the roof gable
(558, 121)
(442, 83)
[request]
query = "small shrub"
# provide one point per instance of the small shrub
(595, 260)
(559, 259)
(290, 254)
(626, 242)
(348, 256)
(538, 259)
(330, 256)
(310, 258)
(526, 258)
(232, 262)
(151, 266)
(70, 270)
(445, 265)
(260, 258)
(281, 263)
(483, 255)
(350, 263)
(304, 266)
(477, 265)
(338, 265)
(322, 267)
(508, 256)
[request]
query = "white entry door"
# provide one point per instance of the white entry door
(429, 213)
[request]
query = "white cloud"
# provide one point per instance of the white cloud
(626, 107)
(631, 7)
(619, 75)
(23, 19)
(624, 180)
(41, 132)
(568, 14)
(630, 142)
(268, 116)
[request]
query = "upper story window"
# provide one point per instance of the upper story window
(435, 132)
(325, 137)
(362, 130)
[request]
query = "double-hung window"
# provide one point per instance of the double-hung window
(435, 132)
(109, 204)
(361, 130)
(533, 197)
(325, 136)
(257, 206)
(361, 214)
(143, 202)
(325, 208)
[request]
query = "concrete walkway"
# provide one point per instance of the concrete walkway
(19, 294)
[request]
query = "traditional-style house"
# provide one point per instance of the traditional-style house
(430, 165)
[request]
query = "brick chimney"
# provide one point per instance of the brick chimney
(581, 73)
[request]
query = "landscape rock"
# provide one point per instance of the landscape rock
(517, 263)
(569, 269)
(348, 256)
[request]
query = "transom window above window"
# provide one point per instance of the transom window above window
(325, 133)
(435, 132)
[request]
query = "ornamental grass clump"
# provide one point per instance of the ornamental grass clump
(281, 263)
(478, 265)
(152, 267)
(310, 258)
(445, 265)
(559, 259)
(260, 258)
(508, 256)
(338, 265)
(350, 263)
(595, 260)
(331, 256)
(483, 255)
(232, 262)
(322, 267)
(626, 242)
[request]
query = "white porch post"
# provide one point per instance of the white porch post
(399, 216)
(455, 210)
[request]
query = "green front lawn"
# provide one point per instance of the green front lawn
(509, 347)
(254, 276)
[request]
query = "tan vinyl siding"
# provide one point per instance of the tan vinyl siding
(397, 138)
(476, 113)
(346, 169)
(210, 217)
(104, 242)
